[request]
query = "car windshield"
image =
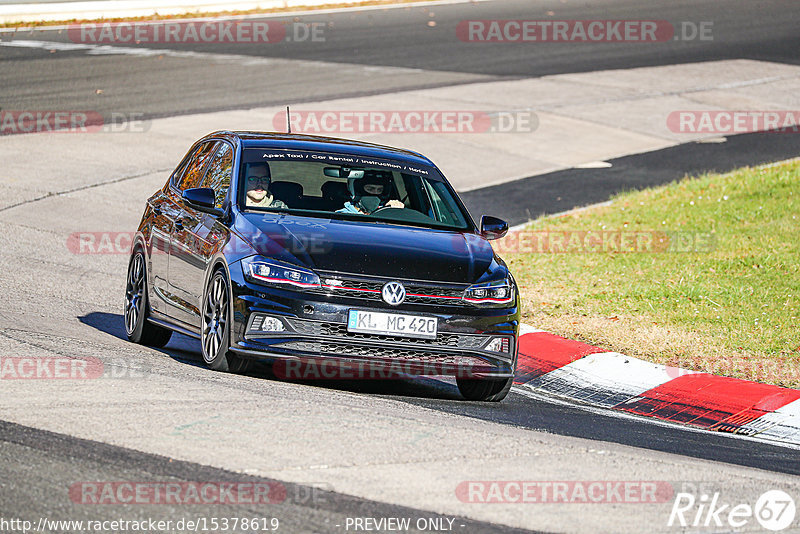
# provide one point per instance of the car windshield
(346, 186)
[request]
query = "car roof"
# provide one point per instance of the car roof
(322, 144)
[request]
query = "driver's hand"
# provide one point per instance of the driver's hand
(395, 204)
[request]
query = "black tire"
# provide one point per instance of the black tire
(137, 307)
(215, 328)
(484, 389)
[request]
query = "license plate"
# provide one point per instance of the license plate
(393, 324)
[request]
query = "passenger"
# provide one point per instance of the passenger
(257, 182)
(370, 194)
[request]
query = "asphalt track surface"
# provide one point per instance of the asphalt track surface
(390, 38)
(300, 508)
(399, 38)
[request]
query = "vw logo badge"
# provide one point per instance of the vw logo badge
(393, 293)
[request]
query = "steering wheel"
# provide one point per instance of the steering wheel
(403, 214)
(384, 208)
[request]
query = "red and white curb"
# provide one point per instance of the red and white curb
(584, 373)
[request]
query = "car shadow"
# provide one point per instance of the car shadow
(186, 350)
(431, 388)
(180, 348)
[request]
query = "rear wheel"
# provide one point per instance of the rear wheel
(484, 389)
(138, 329)
(215, 333)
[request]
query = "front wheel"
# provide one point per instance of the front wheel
(215, 334)
(484, 389)
(137, 328)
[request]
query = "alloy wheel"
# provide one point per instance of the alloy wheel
(215, 318)
(134, 291)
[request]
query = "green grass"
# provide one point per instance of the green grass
(730, 308)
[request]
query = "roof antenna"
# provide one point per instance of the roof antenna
(288, 121)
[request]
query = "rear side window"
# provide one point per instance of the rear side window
(192, 174)
(218, 175)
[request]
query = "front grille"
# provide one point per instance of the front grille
(385, 353)
(339, 330)
(370, 289)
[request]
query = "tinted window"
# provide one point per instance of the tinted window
(193, 174)
(218, 175)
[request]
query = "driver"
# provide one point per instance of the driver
(257, 181)
(370, 194)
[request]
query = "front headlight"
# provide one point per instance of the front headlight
(270, 272)
(499, 292)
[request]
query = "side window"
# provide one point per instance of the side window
(193, 173)
(218, 175)
(445, 210)
(176, 175)
(441, 211)
(435, 202)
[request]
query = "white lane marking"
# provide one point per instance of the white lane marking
(104, 50)
(594, 165)
(283, 14)
(606, 378)
(609, 412)
(527, 329)
(748, 83)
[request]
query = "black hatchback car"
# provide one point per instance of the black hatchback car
(301, 249)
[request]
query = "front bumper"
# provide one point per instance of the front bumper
(315, 329)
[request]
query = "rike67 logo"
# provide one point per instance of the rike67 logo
(774, 511)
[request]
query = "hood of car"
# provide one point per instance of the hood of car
(368, 248)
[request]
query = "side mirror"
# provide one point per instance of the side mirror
(202, 199)
(492, 227)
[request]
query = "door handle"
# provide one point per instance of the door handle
(179, 224)
(157, 210)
